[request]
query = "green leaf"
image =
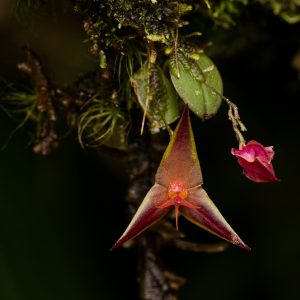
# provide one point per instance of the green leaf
(155, 95)
(197, 81)
(103, 123)
(102, 59)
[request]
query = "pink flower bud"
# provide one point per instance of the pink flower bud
(255, 159)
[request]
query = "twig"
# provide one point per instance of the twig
(199, 247)
(46, 137)
(33, 68)
(156, 281)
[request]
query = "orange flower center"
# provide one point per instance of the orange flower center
(177, 190)
(177, 196)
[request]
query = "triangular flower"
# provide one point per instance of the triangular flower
(178, 183)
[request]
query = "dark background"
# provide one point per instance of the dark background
(60, 214)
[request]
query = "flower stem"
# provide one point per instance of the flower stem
(237, 124)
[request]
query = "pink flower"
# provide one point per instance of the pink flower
(255, 159)
(178, 184)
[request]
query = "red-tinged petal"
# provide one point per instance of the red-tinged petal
(209, 217)
(177, 202)
(146, 215)
(188, 204)
(255, 159)
(253, 150)
(258, 171)
(246, 155)
(270, 152)
(180, 161)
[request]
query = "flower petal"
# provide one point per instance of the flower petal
(270, 152)
(258, 171)
(146, 215)
(180, 161)
(209, 217)
(255, 159)
(248, 155)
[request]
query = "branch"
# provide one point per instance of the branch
(46, 137)
(156, 281)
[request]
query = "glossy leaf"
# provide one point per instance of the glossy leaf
(197, 81)
(156, 96)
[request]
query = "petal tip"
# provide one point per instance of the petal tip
(114, 247)
(122, 240)
(244, 246)
(236, 240)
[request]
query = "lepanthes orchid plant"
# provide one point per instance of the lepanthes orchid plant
(178, 184)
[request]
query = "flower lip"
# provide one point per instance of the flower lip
(178, 201)
(177, 190)
(177, 196)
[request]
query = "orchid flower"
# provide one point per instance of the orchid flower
(255, 159)
(178, 184)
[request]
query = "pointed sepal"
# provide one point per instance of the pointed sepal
(207, 216)
(180, 161)
(146, 215)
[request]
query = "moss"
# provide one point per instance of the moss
(288, 10)
(122, 35)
